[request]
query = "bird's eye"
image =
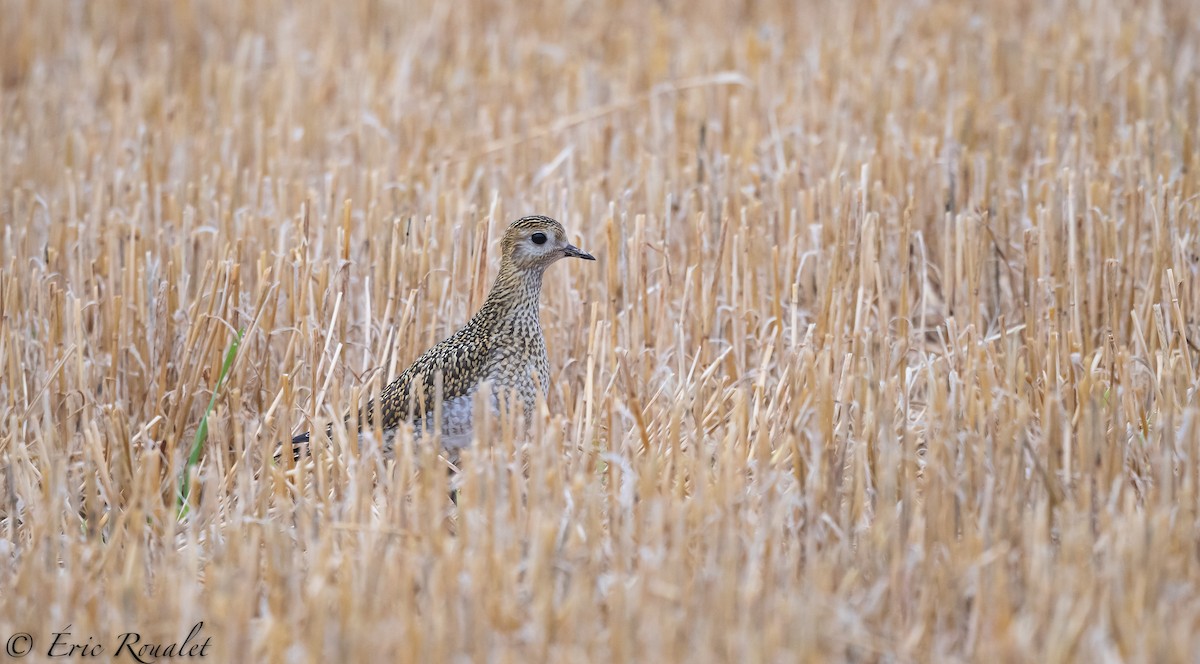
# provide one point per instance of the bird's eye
(538, 238)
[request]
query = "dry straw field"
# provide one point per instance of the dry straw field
(890, 353)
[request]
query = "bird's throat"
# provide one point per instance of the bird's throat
(514, 294)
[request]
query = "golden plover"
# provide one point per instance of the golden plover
(502, 344)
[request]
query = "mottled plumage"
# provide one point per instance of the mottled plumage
(502, 344)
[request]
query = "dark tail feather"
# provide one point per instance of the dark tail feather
(299, 448)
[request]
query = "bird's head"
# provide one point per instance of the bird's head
(536, 242)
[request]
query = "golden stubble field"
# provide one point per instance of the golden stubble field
(889, 355)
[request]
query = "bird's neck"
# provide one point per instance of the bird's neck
(514, 295)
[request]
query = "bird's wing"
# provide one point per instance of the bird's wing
(461, 359)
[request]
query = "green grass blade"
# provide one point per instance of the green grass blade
(181, 497)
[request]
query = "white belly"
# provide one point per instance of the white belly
(458, 417)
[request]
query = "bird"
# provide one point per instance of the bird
(501, 346)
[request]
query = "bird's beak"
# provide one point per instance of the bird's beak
(572, 250)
